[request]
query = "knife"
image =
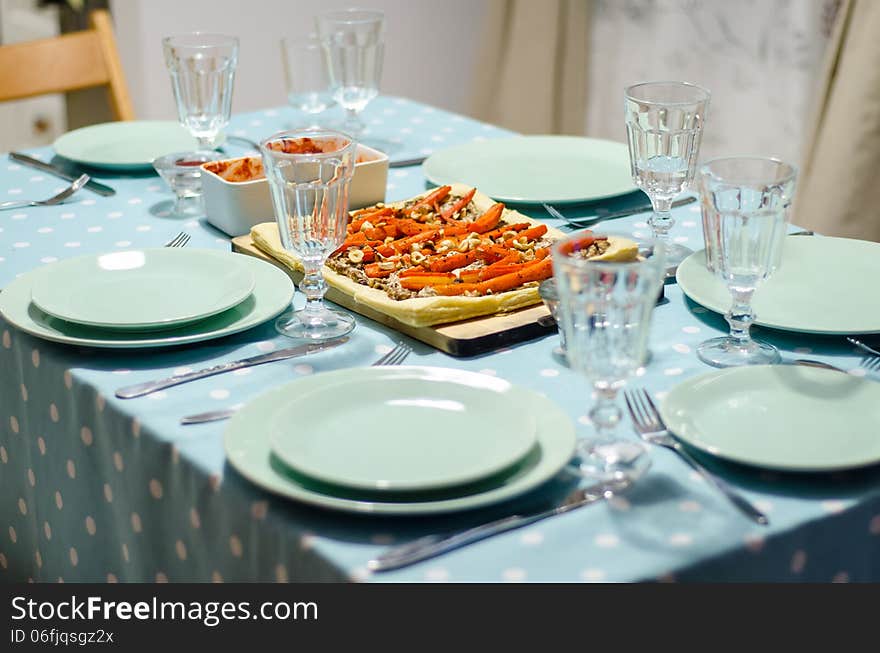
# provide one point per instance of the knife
(92, 185)
(433, 545)
(592, 219)
(403, 163)
(141, 389)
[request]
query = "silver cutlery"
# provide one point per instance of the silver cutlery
(820, 364)
(870, 363)
(652, 429)
(403, 163)
(861, 345)
(180, 240)
(78, 183)
(595, 219)
(803, 233)
(92, 185)
(429, 546)
(142, 389)
(394, 357)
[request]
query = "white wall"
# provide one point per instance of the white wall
(429, 51)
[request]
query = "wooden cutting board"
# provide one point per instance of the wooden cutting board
(466, 338)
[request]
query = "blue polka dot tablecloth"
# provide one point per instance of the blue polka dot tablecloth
(93, 488)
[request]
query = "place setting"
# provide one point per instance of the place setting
(135, 298)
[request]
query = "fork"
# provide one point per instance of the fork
(601, 217)
(179, 240)
(861, 345)
(652, 429)
(75, 185)
(394, 357)
(871, 363)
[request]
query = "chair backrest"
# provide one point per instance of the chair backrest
(67, 63)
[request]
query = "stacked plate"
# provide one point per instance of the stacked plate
(146, 298)
(400, 440)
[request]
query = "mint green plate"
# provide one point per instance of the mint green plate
(820, 287)
(536, 169)
(272, 294)
(785, 417)
(148, 289)
(403, 430)
(247, 443)
(126, 145)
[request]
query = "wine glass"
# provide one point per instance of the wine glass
(308, 86)
(202, 69)
(309, 172)
(746, 202)
(664, 126)
(605, 311)
(353, 41)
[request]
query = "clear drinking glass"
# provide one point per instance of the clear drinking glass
(306, 77)
(354, 44)
(664, 127)
(182, 171)
(605, 312)
(746, 204)
(309, 172)
(202, 69)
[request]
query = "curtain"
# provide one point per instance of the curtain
(532, 72)
(839, 193)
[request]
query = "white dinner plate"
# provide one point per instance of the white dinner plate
(536, 169)
(823, 285)
(784, 417)
(145, 289)
(403, 430)
(248, 450)
(272, 294)
(125, 145)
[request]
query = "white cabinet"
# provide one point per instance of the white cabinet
(36, 121)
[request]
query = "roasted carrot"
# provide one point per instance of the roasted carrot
(500, 231)
(370, 217)
(454, 208)
(422, 281)
(530, 272)
(438, 195)
(452, 261)
(373, 271)
(489, 220)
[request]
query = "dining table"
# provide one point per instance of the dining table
(99, 489)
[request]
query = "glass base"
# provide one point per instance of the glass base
(326, 325)
(727, 352)
(612, 462)
(675, 254)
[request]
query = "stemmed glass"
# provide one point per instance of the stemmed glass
(664, 126)
(310, 197)
(202, 69)
(354, 43)
(746, 204)
(308, 86)
(605, 313)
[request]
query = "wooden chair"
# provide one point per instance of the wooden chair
(67, 63)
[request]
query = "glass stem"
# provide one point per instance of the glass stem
(205, 142)
(605, 413)
(353, 124)
(740, 317)
(661, 221)
(313, 287)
